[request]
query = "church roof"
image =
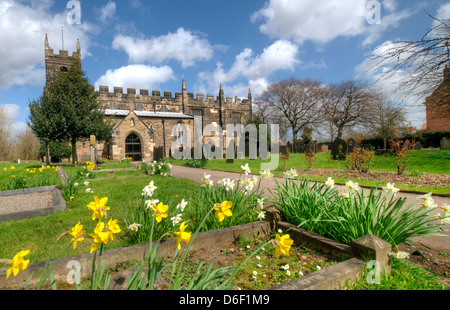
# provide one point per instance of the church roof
(147, 114)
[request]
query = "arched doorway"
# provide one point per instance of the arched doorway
(133, 147)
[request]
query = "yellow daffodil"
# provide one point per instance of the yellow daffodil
(182, 235)
(13, 168)
(99, 236)
(223, 210)
(18, 263)
(113, 228)
(76, 232)
(282, 245)
(98, 206)
(160, 211)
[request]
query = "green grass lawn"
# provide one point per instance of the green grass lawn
(422, 161)
(404, 276)
(39, 234)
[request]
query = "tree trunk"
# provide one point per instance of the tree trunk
(293, 139)
(339, 133)
(74, 150)
(47, 149)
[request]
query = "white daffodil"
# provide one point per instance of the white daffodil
(222, 182)
(424, 197)
(390, 188)
(134, 227)
(293, 173)
(345, 195)
(182, 205)
(429, 203)
(229, 185)
(330, 182)
(260, 203)
(352, 186)
(149, 189)
(443, 217)
(261, 215)
(176, 219)
(205, 178)
(266, 174)
(151, 203)
(246, 169)
(400, 254)
(249, 184)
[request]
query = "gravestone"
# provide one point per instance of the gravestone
(445, 143)
(351, 143)
(417, 146)
(407, 144)
(339, 149)
(158, 153)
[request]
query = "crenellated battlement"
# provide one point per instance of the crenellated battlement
(156, 95)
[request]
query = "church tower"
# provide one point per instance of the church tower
(55, 63)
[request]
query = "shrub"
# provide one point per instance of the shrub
(196, 163)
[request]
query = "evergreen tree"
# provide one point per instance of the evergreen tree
(68, 110)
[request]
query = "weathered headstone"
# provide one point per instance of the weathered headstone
(445, 143)
(339, 149)
(407, 144)
(351, 143)
(417, 146)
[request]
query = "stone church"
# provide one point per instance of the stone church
(144, 121)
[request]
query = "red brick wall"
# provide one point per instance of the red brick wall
(435, 120)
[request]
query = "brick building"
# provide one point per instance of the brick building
(144, 121)
(437, 119)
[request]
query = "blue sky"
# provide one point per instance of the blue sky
(242, 44)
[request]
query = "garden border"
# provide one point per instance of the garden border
(354, 257)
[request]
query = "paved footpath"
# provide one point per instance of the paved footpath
(439, 243)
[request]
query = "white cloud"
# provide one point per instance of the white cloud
(22, 33)
(12, 112)
(324, 21)
(183, 46)
(318, 21)
(281, 55)
(443, 12)
(377, 74)
(107, 12)
(136, 76)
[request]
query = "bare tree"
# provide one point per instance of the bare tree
(348, 104)
(384, 115)
(26, 145)
(419, 63)
(298, 101)
(269, 115)
(5, 134)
